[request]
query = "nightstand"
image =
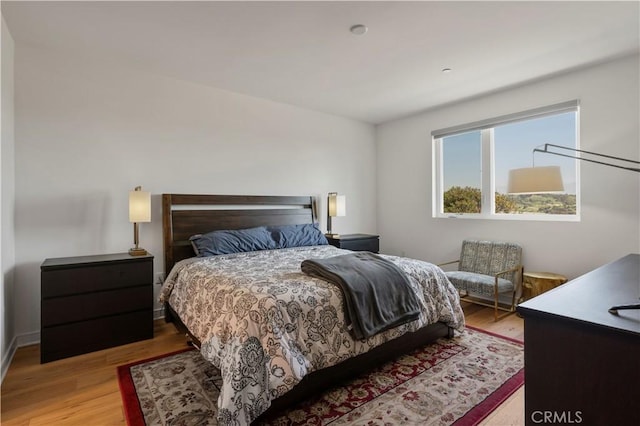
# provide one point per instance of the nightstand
(90, 303)
(356, 242)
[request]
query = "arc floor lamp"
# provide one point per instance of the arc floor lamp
(532, 180)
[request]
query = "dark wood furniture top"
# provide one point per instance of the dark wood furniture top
(185, 215)
(582, 363)
(587, 299)
(356, 242)
(94, 302)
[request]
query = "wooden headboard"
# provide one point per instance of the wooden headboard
(184, 215)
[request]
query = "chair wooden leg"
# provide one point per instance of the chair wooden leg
(495, 305)
(495, 300)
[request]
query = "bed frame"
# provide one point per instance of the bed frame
(184, 215)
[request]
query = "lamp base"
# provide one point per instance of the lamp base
(137, 252)
(330, 235)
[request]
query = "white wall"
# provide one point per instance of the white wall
(610, 225)
(7, 241)
(88, 132)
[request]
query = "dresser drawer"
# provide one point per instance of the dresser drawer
(369, 244)
(77, 338)
(62, 282)
(84, 306)
(356, 242)
(94, 302)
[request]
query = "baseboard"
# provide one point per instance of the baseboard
(18, 341)
(27, 339)
(33, 338)
(158, 314)
(7, 357)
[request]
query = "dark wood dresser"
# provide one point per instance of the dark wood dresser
(356, 242)
(90, 303)
(582, 363)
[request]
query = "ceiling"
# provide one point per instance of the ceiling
(302, 53)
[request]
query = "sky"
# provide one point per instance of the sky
(513, 149)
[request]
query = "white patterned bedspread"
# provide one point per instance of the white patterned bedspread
(266, 325)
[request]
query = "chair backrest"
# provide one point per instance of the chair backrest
(490, 257)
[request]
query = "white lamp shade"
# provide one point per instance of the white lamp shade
(337, 205)
(535, 180)
(139, 206)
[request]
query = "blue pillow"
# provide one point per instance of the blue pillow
(232, 241)
(307, 234)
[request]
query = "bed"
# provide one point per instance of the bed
(277, 335)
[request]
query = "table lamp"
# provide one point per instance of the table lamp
(139, 211)
(337, 206)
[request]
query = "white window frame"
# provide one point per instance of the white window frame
(487, 167)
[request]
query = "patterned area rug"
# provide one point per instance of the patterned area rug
(452, 381)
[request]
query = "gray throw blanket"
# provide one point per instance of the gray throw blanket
(377, 294)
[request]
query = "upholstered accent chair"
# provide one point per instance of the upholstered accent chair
(486, 270)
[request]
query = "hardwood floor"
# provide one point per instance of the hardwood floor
(510, 412)
(83, 390)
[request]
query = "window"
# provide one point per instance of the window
(472, 163)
